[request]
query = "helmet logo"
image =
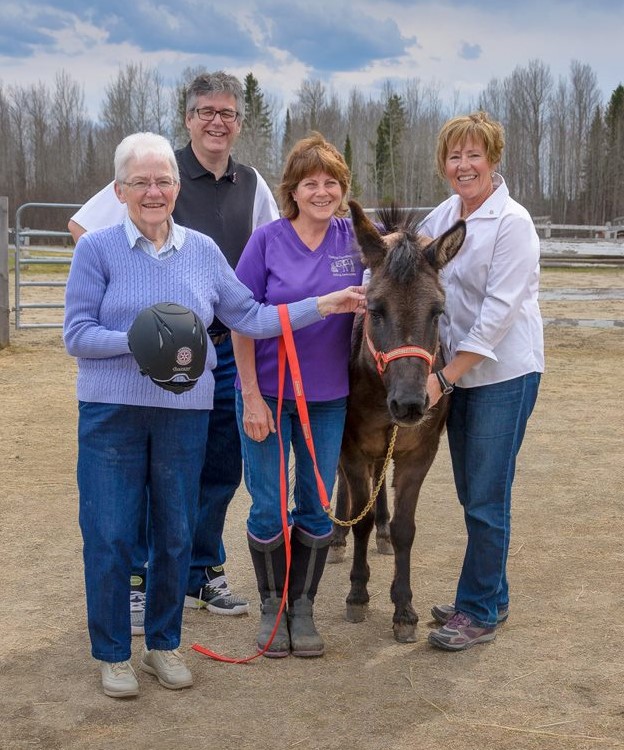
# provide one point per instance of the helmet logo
(184, 356)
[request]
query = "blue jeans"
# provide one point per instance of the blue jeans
(221, 473)
(220, 477)
(261, 464)
(486, 426)
(121, 450)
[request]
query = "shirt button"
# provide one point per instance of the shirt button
(491, 212)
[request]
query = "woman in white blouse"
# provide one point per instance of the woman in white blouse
(492, 338)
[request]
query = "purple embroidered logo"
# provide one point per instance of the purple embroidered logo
(184, 356)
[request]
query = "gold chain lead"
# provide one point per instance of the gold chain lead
(371, 502)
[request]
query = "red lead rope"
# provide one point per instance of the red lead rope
(286, 352)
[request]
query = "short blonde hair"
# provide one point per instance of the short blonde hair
(478, 126)
(307, 157)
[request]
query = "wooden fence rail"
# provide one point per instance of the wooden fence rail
(547, 230)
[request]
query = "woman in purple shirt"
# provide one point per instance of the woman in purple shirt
(309, 251)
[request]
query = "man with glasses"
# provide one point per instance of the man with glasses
(225, 200)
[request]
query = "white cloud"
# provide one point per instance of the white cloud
(458, 45)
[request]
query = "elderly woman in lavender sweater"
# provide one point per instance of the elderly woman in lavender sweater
(133, 434)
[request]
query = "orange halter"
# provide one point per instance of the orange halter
(382, 358)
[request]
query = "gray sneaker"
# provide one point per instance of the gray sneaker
(215, 595)
(168, 667)
(460, 633)
(119, 679)
(137, 604)
(442, 613)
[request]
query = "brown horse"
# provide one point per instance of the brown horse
(395, 346)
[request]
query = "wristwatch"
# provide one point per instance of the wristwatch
(445, 386)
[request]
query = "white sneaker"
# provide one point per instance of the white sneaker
(168, 667)
(119, 679)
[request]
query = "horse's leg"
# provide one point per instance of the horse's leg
(338, 546)
(382, 516)
(409, 474)
(357, 474)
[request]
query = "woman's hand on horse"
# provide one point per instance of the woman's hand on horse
(433, 390)
(349, 300)
(257, 417)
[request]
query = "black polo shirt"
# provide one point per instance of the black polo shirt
(222, 209)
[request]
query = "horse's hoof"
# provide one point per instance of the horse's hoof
(404, 633)
(384, 546)
(356, 612)
(336, 554)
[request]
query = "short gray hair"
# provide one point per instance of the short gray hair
(139, 145)
(218, 82)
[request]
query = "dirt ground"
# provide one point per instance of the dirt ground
(552, 679)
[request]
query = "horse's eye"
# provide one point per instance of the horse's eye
(375, 315)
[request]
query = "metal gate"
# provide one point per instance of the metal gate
(27, 254)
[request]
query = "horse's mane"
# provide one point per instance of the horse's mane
(397, 219)
(403, 260)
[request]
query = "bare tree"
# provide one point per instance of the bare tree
(528, 91)
(68, 116)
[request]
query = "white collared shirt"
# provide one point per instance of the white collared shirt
(174, 241)
(492, 288)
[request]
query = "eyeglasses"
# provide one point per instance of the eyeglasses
(142, 186)
(208, 114)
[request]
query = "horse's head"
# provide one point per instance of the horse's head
(404, 302)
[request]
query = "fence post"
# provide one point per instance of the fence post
(4, 272)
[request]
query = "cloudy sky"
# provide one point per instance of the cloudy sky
(458, 45)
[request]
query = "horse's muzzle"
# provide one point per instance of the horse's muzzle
(407, 411)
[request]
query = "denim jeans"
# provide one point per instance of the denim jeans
(222, 471)
(220, 477)
(486, 426)
(121, 450)
(262, 467)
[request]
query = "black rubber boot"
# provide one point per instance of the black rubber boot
(308, 556)
(269, 561)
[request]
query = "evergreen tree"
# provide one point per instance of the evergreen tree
(288, 139)
(356, 188)
(178, 105)
(90, 172)
(614, 121)
(388, 161)
(254, 145)
(593, 198)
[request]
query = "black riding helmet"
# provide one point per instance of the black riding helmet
(168, 342)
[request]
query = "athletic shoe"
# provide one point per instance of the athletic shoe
(460, 633)
(442, 613)
(168, 667)
(119, 679)
(215, 595)
(137, 604)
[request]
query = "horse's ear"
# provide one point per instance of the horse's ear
(446, 246)
(370, 241)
